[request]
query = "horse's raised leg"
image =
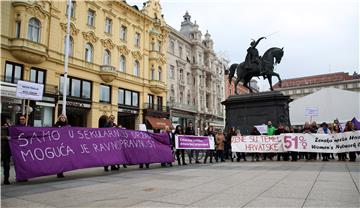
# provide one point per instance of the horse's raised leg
(269, 77)
(278, 76)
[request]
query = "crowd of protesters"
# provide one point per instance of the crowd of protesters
(222, 140)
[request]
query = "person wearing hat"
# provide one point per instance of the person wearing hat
(324, 130)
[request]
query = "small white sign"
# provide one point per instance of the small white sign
(142, 127)
(261, 128)
(311, 111)
(29, 90)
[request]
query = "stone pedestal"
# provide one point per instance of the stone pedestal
(245, 111)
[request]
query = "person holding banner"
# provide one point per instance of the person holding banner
(324, 130)
(179, 131)
(191, 131)
(5, 149)
(342, 155)
(61, 122)
(240, 155)
(254, 156)
(172, 144)
(270, 132)
(227, 146)
(210, 132)
(350, 127)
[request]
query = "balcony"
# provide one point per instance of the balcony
(157, 86)
(156, 110)
(28, 51)
(108, 73)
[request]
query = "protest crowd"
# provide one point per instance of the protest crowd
(221, 152)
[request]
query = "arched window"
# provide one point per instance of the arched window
(34, 30)
(136, 68)
(107, 57)
(88, 52)
(122, 63)
(71, 45)
(159, 73)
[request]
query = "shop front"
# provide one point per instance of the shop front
(127, 117)
(77, 111)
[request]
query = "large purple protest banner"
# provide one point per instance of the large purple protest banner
(46, 151)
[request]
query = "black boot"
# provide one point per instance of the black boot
(6, 181)
(60, 175)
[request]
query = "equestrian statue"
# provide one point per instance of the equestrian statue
(255, 66)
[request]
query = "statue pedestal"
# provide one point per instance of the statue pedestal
(245, 111)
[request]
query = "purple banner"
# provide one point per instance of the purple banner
(46, 151)
(194, 142)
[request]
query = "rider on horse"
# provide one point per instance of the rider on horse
(252, 59)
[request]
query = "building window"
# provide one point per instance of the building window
(180, 52)
(71, 45)
(76, 88)
(159, 73)
(152, 73)
(128, 97)
(137, 39)
(91, 17)
(34, 30)
(13, 72)
(159, 46)
(159, 103)
(172, 72)
(181, 75)
(107, 57)
(122, 63)
(123, 31)
(136, 68)
(105, 93)
(17, 29)
(37, 76)
(72, 10)
(108, 25)
(88, 52)
(150, 101)
(172, 46)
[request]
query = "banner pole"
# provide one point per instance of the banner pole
(27, 112)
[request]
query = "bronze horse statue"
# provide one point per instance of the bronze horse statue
(265, 69)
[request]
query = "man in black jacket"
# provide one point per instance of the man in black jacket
(191, 131)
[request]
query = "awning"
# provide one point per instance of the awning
(158, 123)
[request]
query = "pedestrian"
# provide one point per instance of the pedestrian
(210, 152)
(104, 123)
(61, 122)
(5, 149)
(179, 131)
(111, 123)
(220, 139)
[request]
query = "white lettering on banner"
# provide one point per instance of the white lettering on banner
(194, 142)
(322, 143)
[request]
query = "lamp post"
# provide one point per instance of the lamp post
(66, 56)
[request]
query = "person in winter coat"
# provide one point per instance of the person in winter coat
(209, 132)
(220, 140)
(61, 122)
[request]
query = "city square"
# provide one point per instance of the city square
(158, 103)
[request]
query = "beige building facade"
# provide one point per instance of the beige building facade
(195, 77)
(117, 61)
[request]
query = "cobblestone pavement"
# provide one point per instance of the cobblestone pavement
(243, 184)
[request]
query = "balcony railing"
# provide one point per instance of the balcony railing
(155, 107)
(108, 68)
(182, 106)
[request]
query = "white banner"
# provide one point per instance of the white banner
(256, 144)
(29, 90)
(327, 143)
(322, 143)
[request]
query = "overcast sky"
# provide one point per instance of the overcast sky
(318, 36)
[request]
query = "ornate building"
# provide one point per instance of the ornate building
(195, 77)
(116, 66)
(301, 86)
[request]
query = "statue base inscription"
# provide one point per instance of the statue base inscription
(245, 111)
